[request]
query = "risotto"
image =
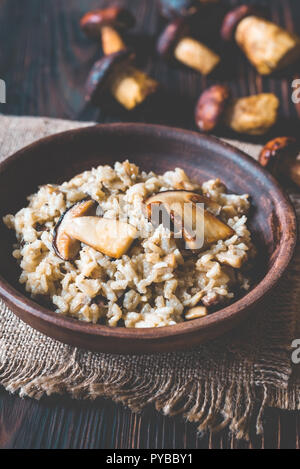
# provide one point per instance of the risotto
(69, 254)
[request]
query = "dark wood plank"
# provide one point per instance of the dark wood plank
(44, 60)
(60, 423)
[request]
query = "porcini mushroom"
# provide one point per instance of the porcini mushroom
(78, 224)
(267, 46)
(106, 24)
(176, 42)
(115, 71)
(279, 157)
(253, 115)
(110, 237)
(65, 246)
(210, 107)
(191, 221)
(115, 74)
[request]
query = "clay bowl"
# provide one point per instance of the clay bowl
(59, 157)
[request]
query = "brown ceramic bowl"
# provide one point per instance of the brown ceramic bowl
(59, 157)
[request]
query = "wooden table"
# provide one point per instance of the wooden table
(44, 60)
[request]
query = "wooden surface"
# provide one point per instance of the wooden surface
(44, 60)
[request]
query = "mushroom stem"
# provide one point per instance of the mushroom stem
(252, 115)
(111, 40)
(196, 55)
(131, 87)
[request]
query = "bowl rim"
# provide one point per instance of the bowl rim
(250, 299)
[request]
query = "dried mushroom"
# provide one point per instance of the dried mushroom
(115, 74)
(253, 115)
(64, 245)
(211, 106)
(267, 46)
(279, 157)
(196, 225)
(174, 41)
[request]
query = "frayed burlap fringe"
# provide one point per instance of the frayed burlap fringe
(210, 403)
(228, 382)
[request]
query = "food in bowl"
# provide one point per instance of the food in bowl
(92, 247)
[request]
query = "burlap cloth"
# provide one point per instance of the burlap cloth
(229, 381)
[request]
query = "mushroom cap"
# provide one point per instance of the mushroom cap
(102, 71)
(170, 36)
(211, 106)
(275, 156)
(118, 17)
(171, 9)
(234, 16)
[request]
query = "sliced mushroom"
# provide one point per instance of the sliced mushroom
(196, 312)
(169, 197)
(111, 237)
(64, 246)
(196, 225)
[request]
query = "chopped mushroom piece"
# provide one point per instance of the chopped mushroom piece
(196, 312)
(196, 225)
(66, 247)
(111, 237)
